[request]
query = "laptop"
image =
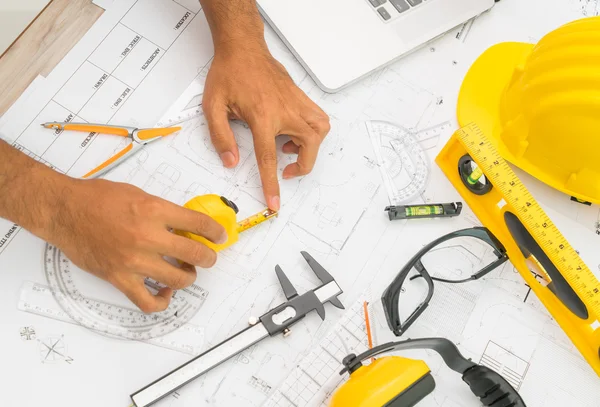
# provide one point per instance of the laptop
(341, 41)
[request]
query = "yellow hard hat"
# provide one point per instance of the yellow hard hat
(541, 104)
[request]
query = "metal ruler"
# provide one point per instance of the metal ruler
(112, 320)
(503, 204)
(277, 321)
(39, 299)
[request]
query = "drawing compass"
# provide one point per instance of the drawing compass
(274, 322)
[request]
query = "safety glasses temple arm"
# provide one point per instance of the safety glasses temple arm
(501, 260)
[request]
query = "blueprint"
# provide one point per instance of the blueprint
(144, 63)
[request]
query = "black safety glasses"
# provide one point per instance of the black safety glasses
(457, 257)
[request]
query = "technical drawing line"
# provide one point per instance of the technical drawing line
(288, 399)
(311, 378)
(329, 353)
(176, 2)
(347, 330)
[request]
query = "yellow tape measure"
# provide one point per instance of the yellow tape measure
(504, 205)
(224, 212)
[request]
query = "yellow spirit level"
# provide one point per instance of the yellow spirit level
(505, 206)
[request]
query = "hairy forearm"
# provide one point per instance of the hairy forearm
(30, 192)
(234, 22)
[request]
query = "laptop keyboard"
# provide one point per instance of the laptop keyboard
(389, 9)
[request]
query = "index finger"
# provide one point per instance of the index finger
(307, 157)
(266, 155)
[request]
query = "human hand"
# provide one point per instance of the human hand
(245, 82)
(120, 233)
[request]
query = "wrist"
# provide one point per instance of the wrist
(247, 43)
(239, 32)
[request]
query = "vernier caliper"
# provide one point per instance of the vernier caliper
(274, 322)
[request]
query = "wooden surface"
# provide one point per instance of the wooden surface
(41, 47)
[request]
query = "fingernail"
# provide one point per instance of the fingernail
(228, 159)
(222, 239)
(274, 203)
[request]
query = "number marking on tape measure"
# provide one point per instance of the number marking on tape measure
(541, 227)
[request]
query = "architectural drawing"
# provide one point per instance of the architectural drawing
(510, 366)
(313, 380)
(139, 63)
(194, 144)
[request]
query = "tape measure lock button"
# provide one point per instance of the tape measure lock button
(231, 204)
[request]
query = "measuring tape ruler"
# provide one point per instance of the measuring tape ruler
(39, 299)
(255, 219)
(504, 205)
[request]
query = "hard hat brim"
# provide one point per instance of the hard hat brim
(481, 91)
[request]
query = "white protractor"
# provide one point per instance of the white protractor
(403, 163)
(38, 299)
(113, 319)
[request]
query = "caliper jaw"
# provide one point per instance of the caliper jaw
(297, 307)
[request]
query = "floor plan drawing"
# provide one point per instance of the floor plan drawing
(504, 362)
(143, 67)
